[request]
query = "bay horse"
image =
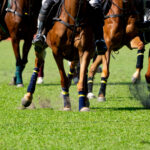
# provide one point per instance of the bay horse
(71, 38)
(119, 30)
(19, 22)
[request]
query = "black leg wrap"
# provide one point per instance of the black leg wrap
(90, 84)
(103, 86)
(140, 57)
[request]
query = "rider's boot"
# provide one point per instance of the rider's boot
(101, 47)
(40, 38)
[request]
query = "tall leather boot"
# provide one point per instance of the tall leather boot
(40, 39)
(101, 47)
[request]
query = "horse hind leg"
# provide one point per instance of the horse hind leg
(19, 67)
(104, 77)
(64, 83)
(137, 43)
(91, 74)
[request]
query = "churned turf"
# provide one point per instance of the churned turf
(120, 123)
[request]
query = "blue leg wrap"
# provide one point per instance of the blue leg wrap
(18, 74)
(31, 87)
(81, 99)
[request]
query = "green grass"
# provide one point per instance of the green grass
(118, 124)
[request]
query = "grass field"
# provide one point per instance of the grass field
(120, 123)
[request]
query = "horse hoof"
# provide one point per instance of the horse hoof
(135, 80)
(90, 95)
(101, 99)
(40, 80)
(19, 85)
(84, 109)
(67, 109)
(26, 101)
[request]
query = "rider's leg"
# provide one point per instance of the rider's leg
(98, 18)
(44, 12)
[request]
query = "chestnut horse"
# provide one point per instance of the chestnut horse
(71, 38)
(19, 22)
(119, 30)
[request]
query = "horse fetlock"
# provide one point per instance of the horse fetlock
(27, 99)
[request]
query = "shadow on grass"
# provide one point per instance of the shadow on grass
(119, 108)
(116, 83)
(140, 92)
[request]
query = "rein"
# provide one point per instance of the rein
(115, 15)
(76, 20)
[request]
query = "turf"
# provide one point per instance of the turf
(119, 123)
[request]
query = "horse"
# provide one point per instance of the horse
(119, 29)
(71, 38)
(19, 22)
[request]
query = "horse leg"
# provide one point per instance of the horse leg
(64, 82)
(137, 43)
(104, 76)
(40, 79)
(91, 74)
(18, 76)
(82, 84)
(147, 75)
(27, 99)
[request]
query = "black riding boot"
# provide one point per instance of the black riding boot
(98, 17)
(101, 47)
(40, 39)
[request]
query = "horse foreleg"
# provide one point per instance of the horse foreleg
(137, 43)
(82, 84)
(91, 74)
(27, 99)
(64, 82)
(104, 76)
(147, 75)
(18, 74)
